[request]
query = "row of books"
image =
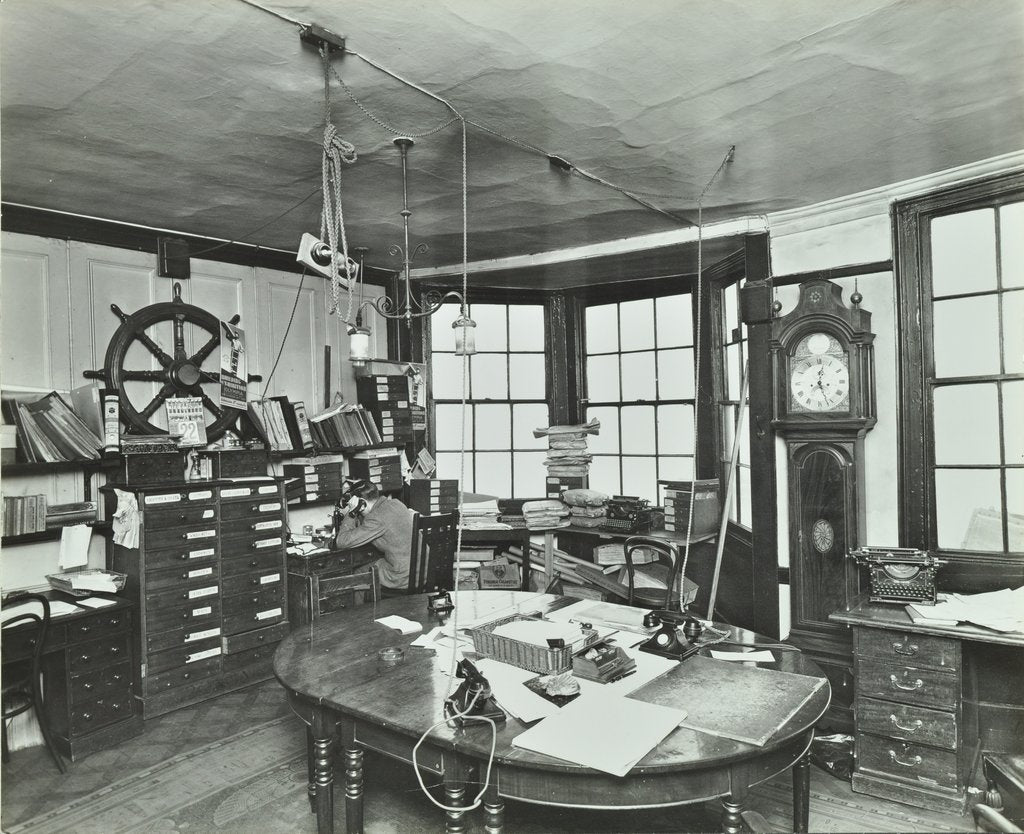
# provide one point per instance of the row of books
(343, 426)
(283, 424)
(33, 514)
(49, 430)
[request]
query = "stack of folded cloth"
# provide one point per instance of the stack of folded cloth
(587, 507)
(567, 449)
(546, 514)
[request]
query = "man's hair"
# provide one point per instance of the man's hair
(365, 489)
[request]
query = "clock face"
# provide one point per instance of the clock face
(819, 376)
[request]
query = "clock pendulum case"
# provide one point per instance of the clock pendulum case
(824, 404)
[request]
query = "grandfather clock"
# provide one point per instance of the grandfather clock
(824, 404)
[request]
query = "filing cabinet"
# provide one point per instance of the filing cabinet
(210, 579)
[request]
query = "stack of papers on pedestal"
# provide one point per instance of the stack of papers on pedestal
(1001, 610)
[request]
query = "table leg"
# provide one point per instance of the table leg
(494, 811)
(732, 812)
(322, 734)
(549, 556)
(310, 769)
(353, 782)
(454, 797)
(802, 794)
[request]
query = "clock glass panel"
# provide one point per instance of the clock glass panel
(819, 375)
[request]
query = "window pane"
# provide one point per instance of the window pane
(638, 429)
(731, 313)
(745, 510)
(963, 252)
(606, 440)
(448, 467)
(493, 427)
(675, 374)
(525, 418)
(494, 473)
(744, 430)
(528, 473)
(447, 376)
(1013, 332)
(959, 411)
(733, 381)
(491, 326)
(639, 477)
(674, 321)
(441, 334)
(604, 475)
(1015, 508)
(603, 378)
(526, 327)
(636, 324)
(1011, 242)
(966, 509)
(966, 336)
(638, 377)
(1013, 419)
(489, 377)
(448, 426)
(602, 328)
(675, 429)
(727, 416)
(526, 376)
(674, 469)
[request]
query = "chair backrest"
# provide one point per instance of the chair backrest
(433, 552)
(29, 630)
(667, 555)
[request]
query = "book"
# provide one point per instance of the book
(111, 421)
(87, 402)
(298, 433)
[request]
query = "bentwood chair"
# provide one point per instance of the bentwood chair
(665, 571)
(433, 552)
(24, 636)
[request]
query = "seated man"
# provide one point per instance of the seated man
(367, 518)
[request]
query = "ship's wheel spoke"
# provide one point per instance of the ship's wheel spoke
(144, 376)
(209, 376)
(200, 355)
(215, 409)
(154, 348)
(157, 401)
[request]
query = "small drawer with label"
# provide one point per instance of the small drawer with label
(160, 641)
(254, 561)
(254, 581)
(181, 675)
(264, 636)
(271, 540)
(269, 524)
(272, 506)
(184, 554)
(183, 613)
(177, 516)
(267, 597)
(186, 576)
(184, 655)
(204, 535)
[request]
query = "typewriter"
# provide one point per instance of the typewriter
(627, 514)
(899, 574)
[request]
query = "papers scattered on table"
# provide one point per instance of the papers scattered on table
(603, 613)
(538, 632)
(86, 580)
(508, 686)
(305, 548)
(57, 609)
(756, 656)
(95, 602)
(400, 624)
(441, 639)
(1001, 610)
(605, 732)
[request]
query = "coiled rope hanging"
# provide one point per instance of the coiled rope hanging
(332, 218)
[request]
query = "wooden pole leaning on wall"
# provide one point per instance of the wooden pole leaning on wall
(727, 498)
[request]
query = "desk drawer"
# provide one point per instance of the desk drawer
(101, 625)
(189, 514)
(114, 681)
(182, 656)
(181, 676)
(160, 641)
(204, 535)
(338, 592)
(258, 617)
(909, 723)
(236, 565)
(184, 555)
(903, 760)
(96, 653)
(184, 577)
(903, 648)
(266, 637)
(181, 613)
(253, 581)
(99, 712)
(907, 684)
(264, 541)
(17, 643)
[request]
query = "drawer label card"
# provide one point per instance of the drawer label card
(266, 615)
(270, 578)
(268, 508)
(195, 593)
(267, 543)
(192, 658)
(201, 534)
(168, 498)
(269, 489)
(200, 635)
(208, 513)
(202, 612)
(192, 574)
(234, 492)
(199, 495)
(199, 554)
(267, 525)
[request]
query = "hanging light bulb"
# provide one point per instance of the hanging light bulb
(465, 335)
(358, 343)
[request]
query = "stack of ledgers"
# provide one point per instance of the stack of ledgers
(546, 514)
(587, 507)
(481, 515)
(567, 448)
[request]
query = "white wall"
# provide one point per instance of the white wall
(55, 299)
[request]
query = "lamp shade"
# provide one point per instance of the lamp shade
(465, 336)
(358, 345)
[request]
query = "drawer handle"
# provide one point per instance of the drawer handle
(85, 658)
(909, 650)
(87, 716)
(913, 728)
(917, 684)
(87, 686)
(84, 629)
(914, 762)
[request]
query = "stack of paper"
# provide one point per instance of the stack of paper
(1001, 610)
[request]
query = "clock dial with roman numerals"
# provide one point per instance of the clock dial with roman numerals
(819, 376)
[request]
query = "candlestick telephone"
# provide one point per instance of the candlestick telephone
(473, 697)
(665, 641)
(350, 490)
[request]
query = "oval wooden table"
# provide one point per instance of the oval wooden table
(342, 690)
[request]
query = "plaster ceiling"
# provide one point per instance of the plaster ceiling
(206, 117)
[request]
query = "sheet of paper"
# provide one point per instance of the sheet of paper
(95, 602)
(757, 656)
(509, 690)
(538, 632)
(74, 546)
(648, 667)
(400, 623)
(629, 730)
(57, 609)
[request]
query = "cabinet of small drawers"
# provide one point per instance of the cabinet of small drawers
(210, 580)
(911, 743)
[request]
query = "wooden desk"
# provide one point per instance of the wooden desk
(329, 580)
(88, 689)
(337, 684)
(927, 700)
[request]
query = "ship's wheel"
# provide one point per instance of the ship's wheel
(189, 367)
